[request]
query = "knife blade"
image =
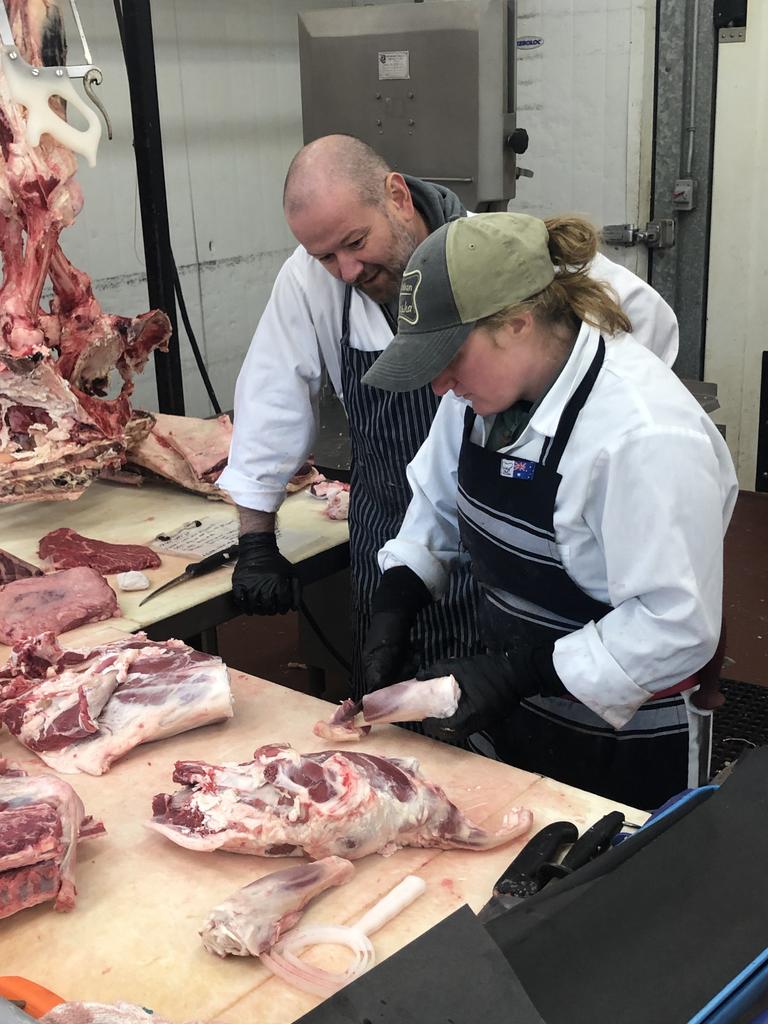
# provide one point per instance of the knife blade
(522, 877)
(195, 569)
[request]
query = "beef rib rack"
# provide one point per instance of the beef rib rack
(58, 428)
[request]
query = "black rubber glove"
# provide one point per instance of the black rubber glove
(264, 582)
(388, 655)
(491, 686)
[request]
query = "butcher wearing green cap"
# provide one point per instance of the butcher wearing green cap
(590, 494)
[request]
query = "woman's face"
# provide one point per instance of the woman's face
(493, 371)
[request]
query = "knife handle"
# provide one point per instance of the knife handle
(522, 875)
(593, 842)
(211, 562)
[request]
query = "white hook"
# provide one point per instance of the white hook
(34, 91)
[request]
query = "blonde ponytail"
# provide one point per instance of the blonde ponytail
(573, 296)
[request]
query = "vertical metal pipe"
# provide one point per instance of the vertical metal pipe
(139, 51)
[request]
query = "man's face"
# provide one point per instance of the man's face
(365, 246)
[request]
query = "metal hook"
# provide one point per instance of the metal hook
(91, 78)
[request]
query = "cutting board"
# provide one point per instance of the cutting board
(135, 515)
(141, 900)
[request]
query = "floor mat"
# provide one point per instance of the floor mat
(741, 723)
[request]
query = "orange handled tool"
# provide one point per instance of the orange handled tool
(30, 997)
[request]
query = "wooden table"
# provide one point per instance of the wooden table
(141, 900)
(135, 515)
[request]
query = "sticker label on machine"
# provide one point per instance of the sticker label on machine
(394, 64)
(199, 537)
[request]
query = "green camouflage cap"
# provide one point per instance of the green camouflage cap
(465, 271)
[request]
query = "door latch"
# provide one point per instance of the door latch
(657, 234)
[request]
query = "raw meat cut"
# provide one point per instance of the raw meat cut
(81, 710)
(65, 549)
(324, 488)
(338, 505)
(101, 1013)
(252, 920)
(410, 701)
(305, 475)
(58, 428)
(57, 602)
(41, 819)
(345, 724)
(13, 568)
(187, 451)
(334, 803)
(203, 444)
(335, 494)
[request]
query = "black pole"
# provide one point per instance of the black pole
(139, 52)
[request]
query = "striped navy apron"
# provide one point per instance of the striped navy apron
(506, 519)
(386, 430)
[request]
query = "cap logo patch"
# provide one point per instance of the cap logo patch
(409, 311)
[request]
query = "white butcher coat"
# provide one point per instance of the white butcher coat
(277, 392)
(647, 491)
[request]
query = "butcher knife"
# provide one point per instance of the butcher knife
(195, 569)
(589, 845)
(522, 877)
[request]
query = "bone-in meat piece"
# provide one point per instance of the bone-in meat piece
(66, 549)
(41, 819)
(410, 701)
(252, 920)
(55, 602)
(189, 452)
(82, 710)
(58, 430)
(334, 803)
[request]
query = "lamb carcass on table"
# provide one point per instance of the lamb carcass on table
(58, 428)
(41, 820)
(79, 711)
(333, 803)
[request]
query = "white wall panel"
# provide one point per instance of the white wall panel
(585, 96)
(737, 305)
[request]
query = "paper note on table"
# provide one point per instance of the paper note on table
(199, 537)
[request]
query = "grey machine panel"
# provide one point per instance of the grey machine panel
(428, 85)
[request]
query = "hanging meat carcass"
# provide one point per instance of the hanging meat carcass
(58, 428)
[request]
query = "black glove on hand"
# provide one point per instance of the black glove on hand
(491, 686)
(387, 651)
(264, 582)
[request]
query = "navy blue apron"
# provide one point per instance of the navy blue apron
(506, 518)
(386, 430)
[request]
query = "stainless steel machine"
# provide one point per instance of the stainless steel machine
(431, 86)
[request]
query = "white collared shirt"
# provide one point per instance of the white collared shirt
(277, 393)
(648, 488)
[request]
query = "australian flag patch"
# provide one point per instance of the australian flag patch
(518, 469)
